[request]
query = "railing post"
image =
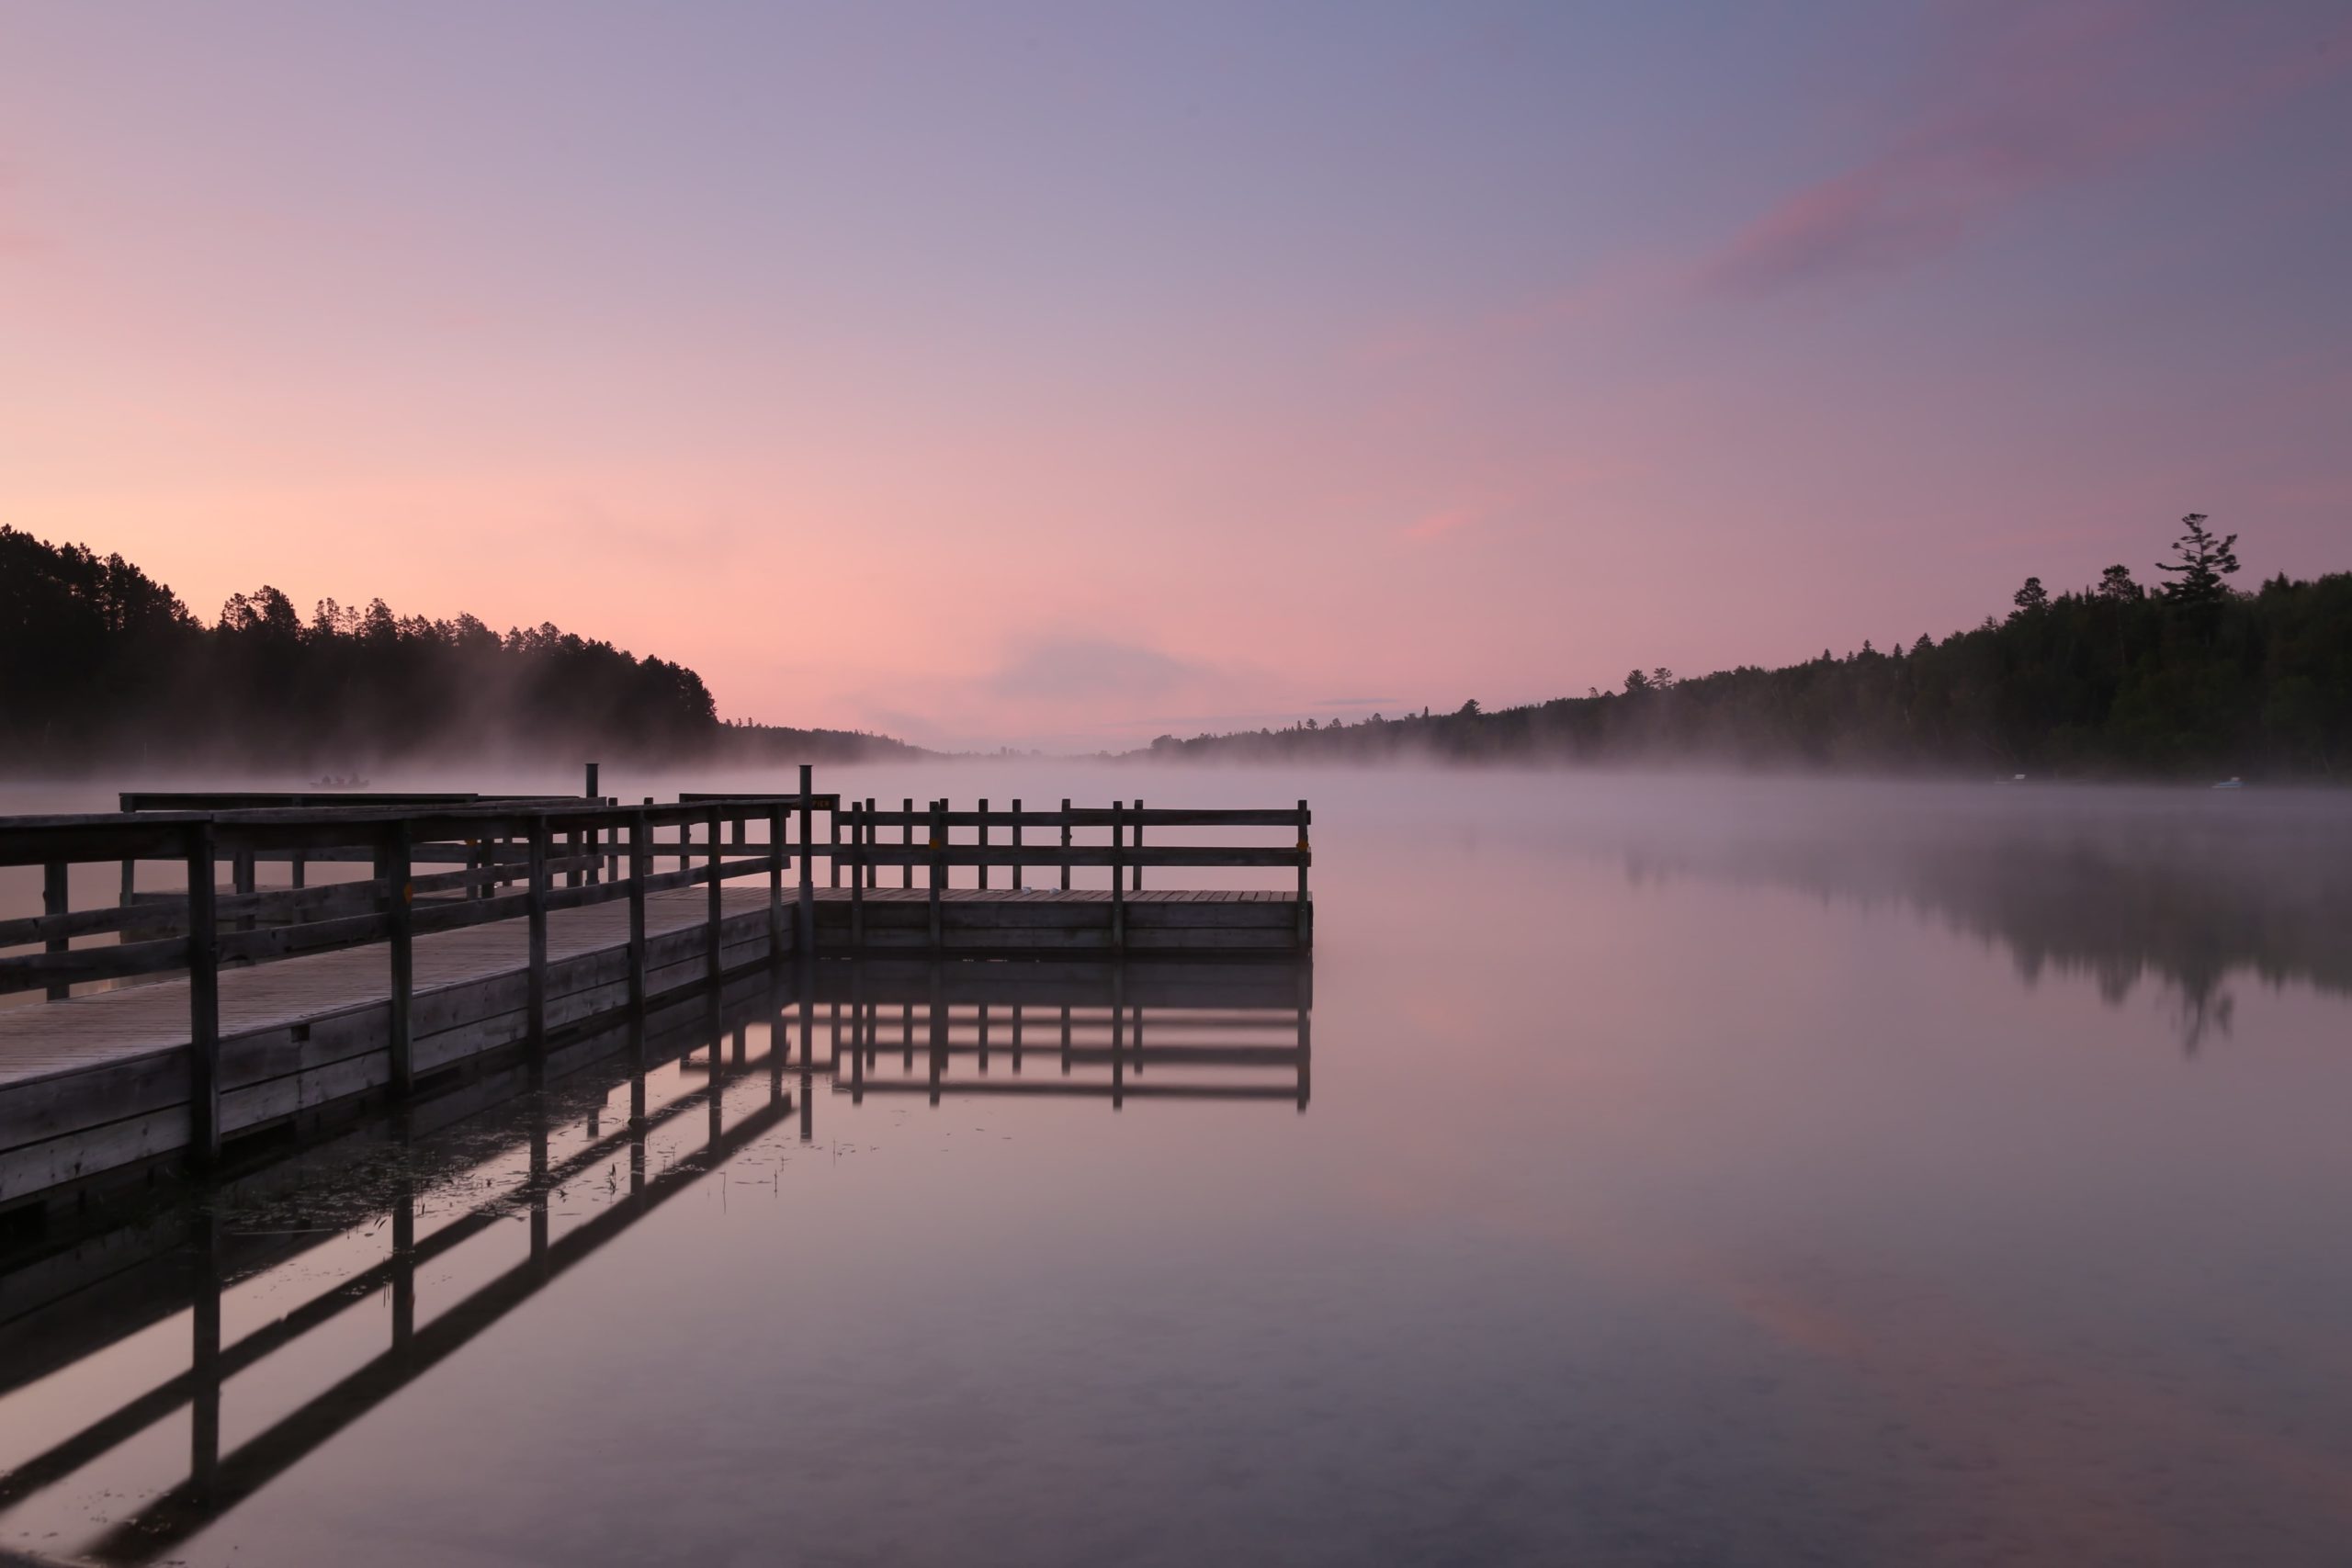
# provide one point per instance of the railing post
(907, 840)
(775, 883)
(1306, 909)
(984, 844)
(640, 865)
(1016, 846)
(807, 936)
(54, 900)
(873, 872)
(1136, 881)
(399, 1039)
(712, 966)
(938, 869)
(833, 859)
(536, 902)
(1118, 876)
(203, 1001)
(1064, 843)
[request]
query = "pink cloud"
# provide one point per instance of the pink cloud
(2038, 96)
(1437, 524)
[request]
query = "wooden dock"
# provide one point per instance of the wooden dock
(362, 991)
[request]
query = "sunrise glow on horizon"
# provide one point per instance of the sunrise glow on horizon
(1046, 377)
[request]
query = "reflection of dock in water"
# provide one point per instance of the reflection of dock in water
(1191, 1031)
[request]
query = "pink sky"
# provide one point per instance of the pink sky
(1047, 380)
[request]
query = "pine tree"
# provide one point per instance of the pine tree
(2203, 563)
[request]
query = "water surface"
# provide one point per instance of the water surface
(1689, 1171)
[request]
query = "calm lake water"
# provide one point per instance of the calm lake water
(1687, 1172)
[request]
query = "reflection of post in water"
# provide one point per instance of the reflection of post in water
(204, 1360)
(539, 1180)
(938, 1032)
(907, 1033)
(984, 1040)
(1118, 1031)
(1064, 1040)
(404, 1256)
(1016, 1035)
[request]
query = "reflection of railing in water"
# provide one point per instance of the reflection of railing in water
(839, 1018)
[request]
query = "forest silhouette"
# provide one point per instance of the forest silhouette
(101, 664)
(2189, 679)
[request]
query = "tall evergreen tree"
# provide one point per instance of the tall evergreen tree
(2200, 563)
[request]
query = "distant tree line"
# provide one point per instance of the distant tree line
(2192, 678)
(100, 662)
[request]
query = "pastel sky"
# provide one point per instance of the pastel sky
(1064, 375)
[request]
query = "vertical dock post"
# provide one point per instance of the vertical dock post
(640, 864)
(938, 867)
(1136, 881)
(1306, 911)
(52, 903)
(907, 840)
(203, 1001)
(1118, 876)
(806, 935)
(1064, 843)
(401, 1037)
(130, 883)
(1017, 881)
(775, 883)
(712, 963)
(535, 901)
(834, 835)
(860, 829)
(984, 844)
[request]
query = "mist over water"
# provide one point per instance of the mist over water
(1697, 1169)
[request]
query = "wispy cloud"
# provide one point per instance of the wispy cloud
(2036, 96)
(1438, 524)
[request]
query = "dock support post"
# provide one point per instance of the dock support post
(130, 883)
(1016, 846)
(807, 932)
(640, 863)
(536, 903)
(984, 844)
(712, 964)
(873, 872)
(860, 827)
(203, 1001)
(595, 836)
(775, 883)
(1118, 876)
(52, 903)
(833, 859)
(1305, 910)
(907, 840)
(400, 1038)
(1136, 881)
(1064, 843)
(938, 868)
